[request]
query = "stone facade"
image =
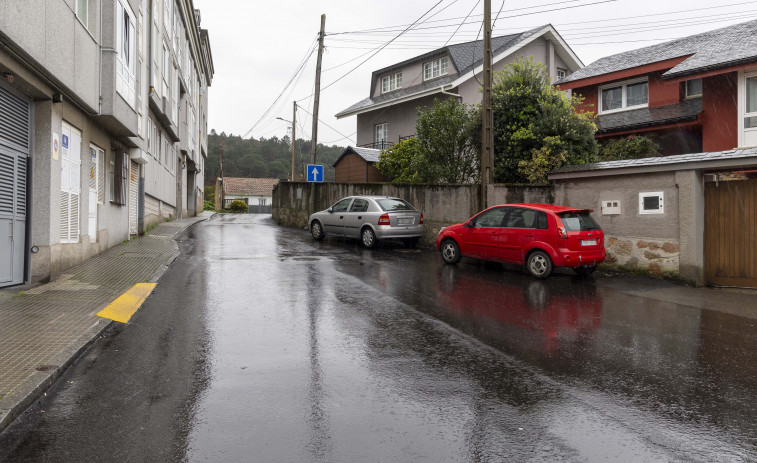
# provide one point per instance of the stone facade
(653, 255)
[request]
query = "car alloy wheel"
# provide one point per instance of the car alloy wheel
(450, 252)
(539, 264)
(316, 230)
(368, 238)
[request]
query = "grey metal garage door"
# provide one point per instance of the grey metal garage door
(15, 118)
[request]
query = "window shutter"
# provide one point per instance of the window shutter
(101, 176)
(6, 184)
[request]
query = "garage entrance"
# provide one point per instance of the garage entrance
(730, 238)
(15, 142)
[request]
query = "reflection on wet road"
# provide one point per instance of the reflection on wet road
(323, 351)
(262, 345)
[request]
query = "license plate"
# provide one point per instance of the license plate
(588, 242)
(405, 221)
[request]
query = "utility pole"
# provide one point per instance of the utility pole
(294, 123)
(222, 195)
(487, 132)
(316, 101)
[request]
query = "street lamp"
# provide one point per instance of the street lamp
(292, 123)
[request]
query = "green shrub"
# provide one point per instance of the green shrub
(238, 206)
(210, 192)
(210, 206)
(631, 147)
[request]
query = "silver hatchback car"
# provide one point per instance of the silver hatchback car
(370, 219)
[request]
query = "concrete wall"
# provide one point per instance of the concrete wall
(441, 205)
(648, 241)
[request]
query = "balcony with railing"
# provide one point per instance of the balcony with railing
(379, 145)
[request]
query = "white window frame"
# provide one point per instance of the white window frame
(126, 58)
(659, 210)
(391, 82)
(166, 71)
(436, 68)
(746, 136)
(624, 105)
(383, 129)
(560, 73)
(686, 89)
(83, 16)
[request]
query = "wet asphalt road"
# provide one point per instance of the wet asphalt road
(262, 345)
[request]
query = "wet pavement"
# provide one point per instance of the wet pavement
(260, 344)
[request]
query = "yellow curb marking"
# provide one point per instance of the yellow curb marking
(127, 304)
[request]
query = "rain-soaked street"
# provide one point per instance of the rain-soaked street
(261, 345)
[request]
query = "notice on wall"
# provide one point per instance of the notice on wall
(56, 146)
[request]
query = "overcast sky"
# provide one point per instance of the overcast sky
(258, 46)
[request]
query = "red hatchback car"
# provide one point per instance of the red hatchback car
(541, 236)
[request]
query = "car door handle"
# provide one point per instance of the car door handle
(360, 217)
(341, 216)
(529, 235)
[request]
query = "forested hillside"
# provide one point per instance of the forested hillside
(267, 157)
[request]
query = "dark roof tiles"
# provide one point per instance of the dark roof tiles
(705, 51)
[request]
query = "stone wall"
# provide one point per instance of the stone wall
(652, 255)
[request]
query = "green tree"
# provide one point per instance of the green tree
(631, 147)
(444, 150)
(536, 126)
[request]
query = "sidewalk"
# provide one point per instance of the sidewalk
(44, 329)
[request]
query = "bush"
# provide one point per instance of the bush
(632, 147)
(238, 206)
(210, 192)
(210, 206)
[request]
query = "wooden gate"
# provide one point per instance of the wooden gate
(730, 237)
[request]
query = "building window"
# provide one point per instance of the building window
(262, 201)
(82, 11)
(166, 71)
(693, 88)
(167, 16)
(651, 203)
(436, 68)
(382, 133)
(391, 82)
(627, 95)
(126, 82)
(561, 73)
(118, 173)
(750, 119)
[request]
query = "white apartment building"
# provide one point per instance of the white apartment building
(103, 110)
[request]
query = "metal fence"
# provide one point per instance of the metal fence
(260, 209)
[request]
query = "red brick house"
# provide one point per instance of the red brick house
(695, 94)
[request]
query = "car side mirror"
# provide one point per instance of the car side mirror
(467, 224)
(329, 210)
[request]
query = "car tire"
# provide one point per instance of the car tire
(450, 251)
(539, 265)
(316, 229)
(368, 238)
(411, 242)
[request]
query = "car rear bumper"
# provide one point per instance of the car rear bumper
(388, 232)
(568, 258)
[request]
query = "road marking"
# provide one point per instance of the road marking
(127, 304)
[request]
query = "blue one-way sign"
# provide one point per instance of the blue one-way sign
(315, 172)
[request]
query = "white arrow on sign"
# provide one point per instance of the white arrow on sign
(315, 173)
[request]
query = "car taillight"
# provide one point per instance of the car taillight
(384, 219)
(421, 218)
(563, 233)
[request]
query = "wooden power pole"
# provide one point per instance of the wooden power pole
(294, 123)
(487, 132)
(316, 102)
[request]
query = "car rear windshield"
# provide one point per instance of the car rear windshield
(394, 205)
(578, 221)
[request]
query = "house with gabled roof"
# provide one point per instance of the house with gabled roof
(257, 193)
(357, 165)
(390, 111)
(694, 94)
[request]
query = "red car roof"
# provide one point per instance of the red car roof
(549, 207)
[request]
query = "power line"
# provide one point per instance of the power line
(302, 65)
(384, 46)
(332, 128)
(461, 24)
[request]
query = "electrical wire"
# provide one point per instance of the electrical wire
(332, 128)
(301, 66)
(461, 24)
